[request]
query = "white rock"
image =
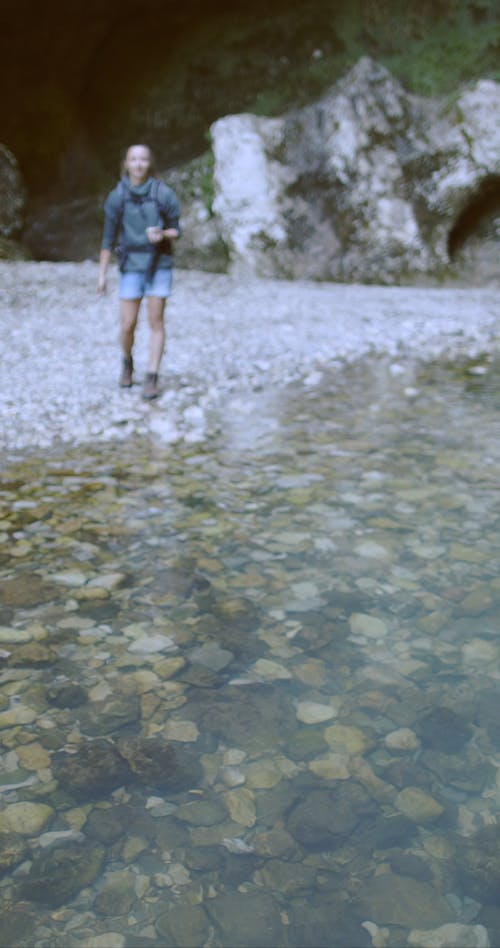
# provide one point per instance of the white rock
(369, 626)
(247, 183)
(402, 739)
(149, 644)
(269, 670)
(309, 712)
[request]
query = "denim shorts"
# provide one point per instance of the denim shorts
(133, 284)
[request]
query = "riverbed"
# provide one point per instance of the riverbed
(249, 634)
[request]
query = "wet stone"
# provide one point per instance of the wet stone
(25, 818)
(452, 935)
(263, 720)
(199, 676)
(247, 919)
(389, 831)
(287, 877)
(27, 590)
(151, 644)
(11, 636)
(117, 895)
(276, 842)
(418, 805)
(444, 730)
(325, 817)
(13, 849)
(184, 925)
(67, 694)
(310, 712)
(390, 899)
(92, 772)
(202, 812)
(156, 763)
(108, 824)
(33, 653)
(324, 923)
(17, 925)
(478, 865)
(406, 864)
(106, 717)
(305, 744)
(211, 656)
(56, 876)
(467, 771)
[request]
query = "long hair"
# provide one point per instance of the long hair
(152, 160)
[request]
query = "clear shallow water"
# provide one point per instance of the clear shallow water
(250, 689)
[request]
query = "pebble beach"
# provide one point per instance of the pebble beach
(226, 336)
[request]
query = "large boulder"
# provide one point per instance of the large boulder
(249, 188)
(368, 184)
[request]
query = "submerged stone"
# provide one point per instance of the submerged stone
(157, 763)
(56, 876)
(151, 644)
(478, 864)
(117, 895)
(27, 819)
(184, 925)
(110, 715)
(13, 849)
(67, 694)
(205, 812)
(443, 729)
(27, 589)
(95, 770)
(12, 636)
(324, 818)
(287, 877)
(418, 805)
(452, 935)
(17, 925)
(367, 625)
(310, 712)
(108, 824)
(390, 899)
(33, 653)
(212, 656)
(247, 919)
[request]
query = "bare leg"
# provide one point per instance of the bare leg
(129, 311)
(156, 310)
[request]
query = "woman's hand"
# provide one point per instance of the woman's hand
(154, 235)
(102, 284)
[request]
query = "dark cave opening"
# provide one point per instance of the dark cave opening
(477, 217)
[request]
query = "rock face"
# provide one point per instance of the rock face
(367, 184)
(12, 203)
(12, 195)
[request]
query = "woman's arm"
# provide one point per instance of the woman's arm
(104, 259)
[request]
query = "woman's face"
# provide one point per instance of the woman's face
(138, 163)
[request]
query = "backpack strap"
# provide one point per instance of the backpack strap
(122, 251)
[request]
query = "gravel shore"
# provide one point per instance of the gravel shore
(60, 357)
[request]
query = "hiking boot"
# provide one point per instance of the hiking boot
(151, 388)
(127, 370)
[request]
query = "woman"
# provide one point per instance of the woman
(142, 217)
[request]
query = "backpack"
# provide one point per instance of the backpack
(126, 197)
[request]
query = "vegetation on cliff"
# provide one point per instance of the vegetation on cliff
(85, 80)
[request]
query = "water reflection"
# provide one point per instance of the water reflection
(250, 690)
